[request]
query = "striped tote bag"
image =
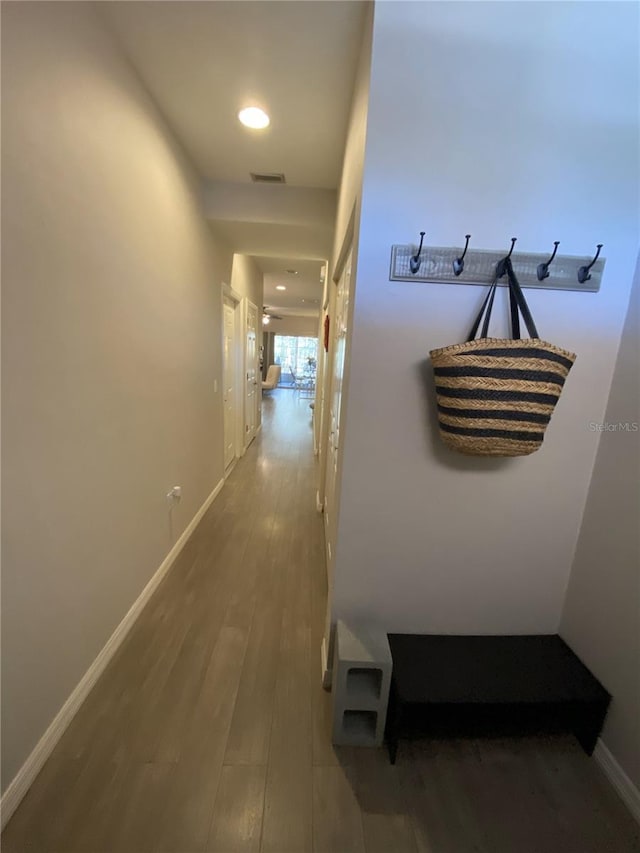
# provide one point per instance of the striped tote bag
(496, 396)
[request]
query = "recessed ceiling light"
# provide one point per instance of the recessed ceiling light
(254, 117)
(280, 287)
(292, 272)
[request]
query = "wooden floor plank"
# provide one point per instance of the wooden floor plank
(38, 823)
(237, 818)
(440, 812)
(185, 822)
(210, 730)
(139, 806)
(91, 813)
(187, 817)
(385, 821)
(287, 824)
(337, 819)
(588, 814)
(251, 726)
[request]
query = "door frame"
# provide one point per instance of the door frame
(322, 359)
(232, 296)
(246, 304)
(333, 456)
(349, 245)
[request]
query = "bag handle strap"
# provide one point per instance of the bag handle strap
(517, 304)
(516, 291)
(488, 302)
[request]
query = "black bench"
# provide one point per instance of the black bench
(459, 685)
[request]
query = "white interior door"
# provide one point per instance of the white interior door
(251, 373)
(229, 380)
(335, 402)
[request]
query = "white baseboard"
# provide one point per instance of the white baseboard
(25, 777)
(324, 662)
(628, 792)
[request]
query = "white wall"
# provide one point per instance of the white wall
(246, 279)
(111, 345)
(601, 617)
(285, 221)
(278, 205)
(346, 237)
(497, 119)
(296, 326)
(349, 191)
(347, 216)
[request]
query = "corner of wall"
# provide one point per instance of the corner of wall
(601, 608)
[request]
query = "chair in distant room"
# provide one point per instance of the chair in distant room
(272, 378)
(308, 381)
(295, 379)
(307, 386)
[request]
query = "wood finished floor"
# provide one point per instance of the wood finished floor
(210, 731)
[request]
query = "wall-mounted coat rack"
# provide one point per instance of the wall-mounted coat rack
(462, 265)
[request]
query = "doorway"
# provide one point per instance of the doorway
(252, 398)
(231, 372)
(341, 313)
(297, 357)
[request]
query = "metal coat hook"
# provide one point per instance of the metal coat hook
(583, 272)
(415, 260)
(543, 269)
(458, 264)
(501, 267)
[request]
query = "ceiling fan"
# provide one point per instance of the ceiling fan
(268, 315)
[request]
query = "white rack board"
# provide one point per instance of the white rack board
(436, 266)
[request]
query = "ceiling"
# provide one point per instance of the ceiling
(203, 61)
(263, 239)
(303, 296)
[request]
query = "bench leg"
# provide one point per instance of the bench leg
(394, 714)
(586, 739)
(588, 728)
(392, 745)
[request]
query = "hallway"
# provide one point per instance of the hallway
(211, 693)
(210, 730)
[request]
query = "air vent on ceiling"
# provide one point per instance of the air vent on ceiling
(267, 177)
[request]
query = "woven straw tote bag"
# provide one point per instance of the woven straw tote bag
(496, 396)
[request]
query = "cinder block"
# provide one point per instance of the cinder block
(360, 684)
